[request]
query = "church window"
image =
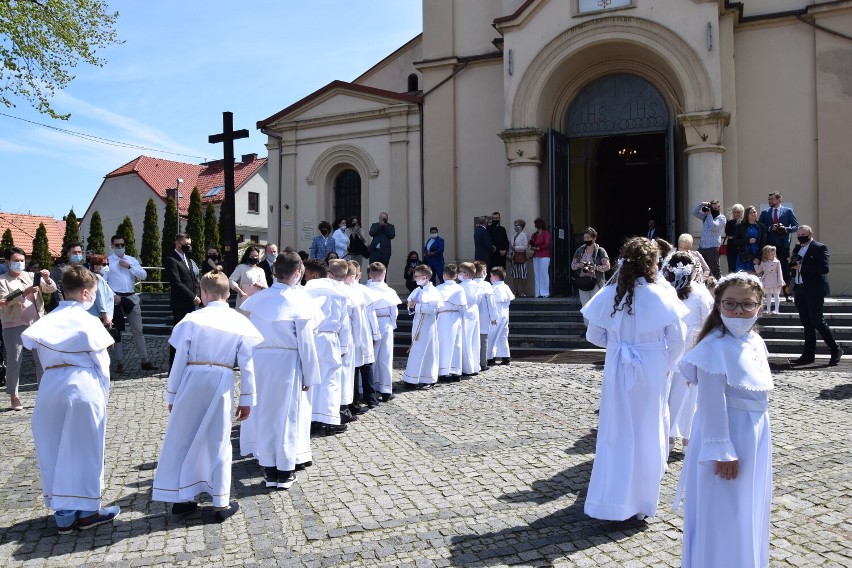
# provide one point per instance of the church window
(413, 83)
(347, 195)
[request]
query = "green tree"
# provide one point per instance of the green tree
(7, 241)
(42, 41)
(150, 253)
(72, 229)
(195, 225)
(96, 239)
(170, 221)
(211, 227)
(125, 230)
(41, 251)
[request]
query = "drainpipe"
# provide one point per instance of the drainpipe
(280, 172)
(422, 177)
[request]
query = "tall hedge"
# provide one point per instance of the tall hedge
(150, 254)
(170, 221)
(211, 227)
(125, 230)
(6, 242)
(72, 229)
(41, 250)
(96, 240)
(195, 225)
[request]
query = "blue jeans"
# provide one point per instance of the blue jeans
(66, 518)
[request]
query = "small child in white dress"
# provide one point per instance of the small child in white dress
(772, 278)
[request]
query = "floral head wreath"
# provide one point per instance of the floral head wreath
(682, 273)
(743, 277)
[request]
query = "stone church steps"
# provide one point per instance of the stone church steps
(554, 324)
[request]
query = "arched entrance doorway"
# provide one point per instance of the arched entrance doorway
(613, 169)
(347, 195)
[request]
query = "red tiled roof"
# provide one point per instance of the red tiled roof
(161, 175)
(344, 86)
(24, 229)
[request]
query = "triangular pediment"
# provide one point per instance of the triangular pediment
(338, 98)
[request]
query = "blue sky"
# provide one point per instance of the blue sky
(182, 64)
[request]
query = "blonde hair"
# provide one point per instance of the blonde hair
(737, 208)
(216, 283)
(686, 239)
(468, 268)
(338, 268)
(354, 268)
(766, 250)
(424, 270)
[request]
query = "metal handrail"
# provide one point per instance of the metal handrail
(152, 282)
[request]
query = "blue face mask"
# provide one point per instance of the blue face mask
(76, 258)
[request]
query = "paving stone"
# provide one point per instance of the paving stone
(491, 471)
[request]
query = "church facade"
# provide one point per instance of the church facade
(603, 113)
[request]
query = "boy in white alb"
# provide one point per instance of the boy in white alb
(487, 312)
(421, 370)
(386, 316)
(196, 454)
(69, 418)
(286, 364)
(368, 334)
(470, 320)
(450, 326)
(498, 335)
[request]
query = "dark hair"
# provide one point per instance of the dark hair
(69, 246)
(423, 269)
(639, 257)
(182, 237)
(481, 266)
(247, 254)
(451, 270)
(775, 194)
(590, 231)
(682, 258)
(499, 271)
(15, 250)
(112, 239)
(354, 221)
(714, 320)
(664, 246)
(287, 264)
(328, 257)
(416, 256)
(302, 254)
(316, 265)
(324, 224)
(433, 229)
(539, 224)
(749, 209)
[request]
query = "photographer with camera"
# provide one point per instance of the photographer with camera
(780, 222)
(712, 229)
(589, 264)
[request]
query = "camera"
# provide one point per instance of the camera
(796, 259)
(780, 229)
(706, 209)
(588, 268)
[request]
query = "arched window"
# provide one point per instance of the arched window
(413, 83)
(347, 195)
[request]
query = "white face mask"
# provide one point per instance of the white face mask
(17, 266)
(422, 281)
(433, 235)
(119, 251)
(87, 304)
(739, 326)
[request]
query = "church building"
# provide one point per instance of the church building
(603, 113)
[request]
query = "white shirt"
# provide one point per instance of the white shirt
(802, 252)
(123, 280)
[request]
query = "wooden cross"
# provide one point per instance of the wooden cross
(228, 226)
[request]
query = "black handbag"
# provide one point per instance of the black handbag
(585, 283)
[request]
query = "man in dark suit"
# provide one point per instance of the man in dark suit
(780, 222)
(654, 231)
(268, 261)
(382, 233)
(182, 275)
(810, 262)
(500, 240)
(482, 244)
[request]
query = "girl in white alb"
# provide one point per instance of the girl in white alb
(727, 475)
(771, 277)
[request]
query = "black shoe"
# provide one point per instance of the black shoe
(332, 429)
(346, 417)
(271, 475)
(224, 514)
(181, 509)
(303, 466)
(492, 362)
(410, 386)
(835, 357)
(466, 375)
(483, 369)
(443, 378)
(505, 361)
(427, 386)
(286, 479)
(803, 360)
(372, 404)
(388, 397)
(356, 410)
(457, 378)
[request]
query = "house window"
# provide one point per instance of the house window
(413, 83)
(254, 202)
(254, 238)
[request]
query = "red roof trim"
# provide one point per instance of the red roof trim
(338, 85)
(396, 52)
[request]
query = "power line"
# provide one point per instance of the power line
(100, 140)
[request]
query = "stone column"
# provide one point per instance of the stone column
(523, 153)
(704, 151)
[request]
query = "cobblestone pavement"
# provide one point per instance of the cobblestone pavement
(488, 472)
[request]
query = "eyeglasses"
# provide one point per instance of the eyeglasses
(118, 245)
(731, 306)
